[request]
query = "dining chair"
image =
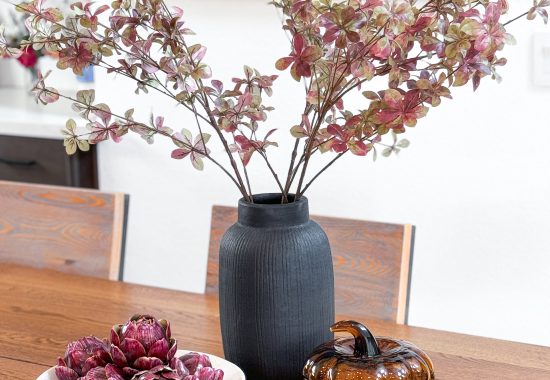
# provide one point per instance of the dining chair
(67, 229)
(372, 263)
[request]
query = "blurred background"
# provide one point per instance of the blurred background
(475, 181)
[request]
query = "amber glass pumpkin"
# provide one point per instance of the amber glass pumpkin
(364, 357)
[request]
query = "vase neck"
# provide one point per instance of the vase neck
(267, 211)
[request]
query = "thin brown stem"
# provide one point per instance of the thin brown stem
(323, 169)
(515, 18)
(145, 126)
(321, 116)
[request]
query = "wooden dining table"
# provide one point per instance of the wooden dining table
(42, 310)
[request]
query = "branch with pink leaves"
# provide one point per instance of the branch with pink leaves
(422, 49)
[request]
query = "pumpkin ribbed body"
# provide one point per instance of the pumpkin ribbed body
(276, 288)
(367, 358)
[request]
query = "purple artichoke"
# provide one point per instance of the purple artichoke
(97, 373)
(142, 344)
(199, 367)
(195, 361)
(160, 372)
(209, 373)
(81, 358)
(141, 349)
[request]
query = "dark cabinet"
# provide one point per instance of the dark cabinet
(38, 160)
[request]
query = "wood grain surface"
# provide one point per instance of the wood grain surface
(68, 229)
(371, 263)
(42, 310)
(19, 370)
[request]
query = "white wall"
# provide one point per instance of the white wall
(475, 182)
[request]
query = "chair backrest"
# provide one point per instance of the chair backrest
(372, 263)
(67, 229)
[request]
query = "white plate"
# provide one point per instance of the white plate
(230, 370)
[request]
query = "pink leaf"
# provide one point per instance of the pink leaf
(149, 68)
(382, 48)
(335, 130)
(283, 63)
(298, 43)
(101, 9)
(199, 54)
(218, 85)
(179, 154)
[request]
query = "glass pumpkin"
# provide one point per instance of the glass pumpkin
(364, 357)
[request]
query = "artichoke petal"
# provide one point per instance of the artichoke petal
(166, 326)
(65, 373)
(172, 375)
(160, 372)
(97, 373)
(115, 334)
(180, 368)
(195, 361)
(172, 351)
(113, 372)
(84, 354)
(76, 359)
(209, 373)
(147, 331)
(146, 363)
(118, 356)
(132, 349)
(129, 372)
(159, 349)
(92, 362)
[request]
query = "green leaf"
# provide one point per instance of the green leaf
(70, 126)
(70, 145)
(298, 132)
(423, 84)
(85, 22)
(105, 51)
(205, 137)
(83, 145)
(198, 163)
(182, 96)
(187, 134)
(86, 96)
(195, 48)
(129, 114)
(248, 71)
(404, 143)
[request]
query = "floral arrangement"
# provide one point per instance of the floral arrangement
(141, 349)
(422, 48)
(27, 57)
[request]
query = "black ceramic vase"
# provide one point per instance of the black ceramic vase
(276, 288)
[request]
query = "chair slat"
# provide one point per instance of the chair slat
(68, 229)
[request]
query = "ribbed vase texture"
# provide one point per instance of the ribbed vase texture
(276, 288)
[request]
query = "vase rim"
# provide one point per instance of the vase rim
(271, 213)
(263, 200)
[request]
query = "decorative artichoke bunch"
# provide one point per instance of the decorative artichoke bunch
(141, 349)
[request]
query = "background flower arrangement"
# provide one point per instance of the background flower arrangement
(422, 48)
(15, 34)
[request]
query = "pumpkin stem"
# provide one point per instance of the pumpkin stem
(365, 343)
